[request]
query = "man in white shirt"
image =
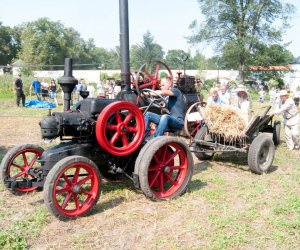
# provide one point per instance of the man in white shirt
(224, 94)
(214, 98)
(290, 115)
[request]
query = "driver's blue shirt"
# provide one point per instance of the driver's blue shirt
(176, 104)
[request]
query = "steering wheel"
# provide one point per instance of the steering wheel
(144, 79)
(153, 98)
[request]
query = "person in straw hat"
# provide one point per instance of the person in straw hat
(242, 101)
(290, 115)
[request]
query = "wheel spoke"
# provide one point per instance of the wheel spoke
(193, 132)
(145, 85)
(114, 138)
(128, 118)
(154, 168)
(33, 161)
(171, 157)
(69, 183)
(176, 167)
(164, 153)
(148, 74)
(118, 117)
(89, 194)
(25, 159)
(161, 183)
(111, 127)
(155, 158)
(157, 70)
(66, 200)
(76, 201)
(84, 180)
(19, 167)
(170, 179)
(76, 174)
(132, 129)
(124, 140)
(154, 178)
(18, 175)
(62, 190)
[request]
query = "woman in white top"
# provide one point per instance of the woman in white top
(243, 103)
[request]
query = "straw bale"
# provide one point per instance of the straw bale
(225, 121)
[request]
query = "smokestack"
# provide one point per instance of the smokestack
(67, 82)
(124, 43)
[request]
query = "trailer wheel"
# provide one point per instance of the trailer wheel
(72, 187)
(261, 154)
(17, 162)
(203, 156)
(165, 168)
(276, 132)
(192, 124)
(120, 128)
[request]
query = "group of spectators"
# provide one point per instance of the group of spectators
(44, 90)
(238, 98)
(108, 89)
(283, 103)
(48, 91)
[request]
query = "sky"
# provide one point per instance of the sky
(167, 20)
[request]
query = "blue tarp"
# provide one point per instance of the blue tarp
(39, 104)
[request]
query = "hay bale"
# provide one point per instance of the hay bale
(224, 121)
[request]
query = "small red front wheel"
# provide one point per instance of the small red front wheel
(16, 164)
(72, 187)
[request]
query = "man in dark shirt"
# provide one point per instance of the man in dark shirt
(19, 90)
(174, 117)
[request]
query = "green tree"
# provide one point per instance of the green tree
(270, 56)
(48, 43)
(176, 58)
(199, 62)
(274, 54)
(146, 52)
(9, 44)
(241, 25)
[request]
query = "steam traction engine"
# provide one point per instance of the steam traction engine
(98, 137)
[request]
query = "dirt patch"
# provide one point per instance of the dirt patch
(20, 130)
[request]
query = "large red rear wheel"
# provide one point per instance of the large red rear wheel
(120, 128)
(165, 167)
(72, 187)
(16, 164)
(144, 78)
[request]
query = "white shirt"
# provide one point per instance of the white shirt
(225, 97)
(289, 112)
(91, 90)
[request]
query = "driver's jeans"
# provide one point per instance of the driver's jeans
(163, 123)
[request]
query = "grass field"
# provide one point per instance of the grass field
(226, 206)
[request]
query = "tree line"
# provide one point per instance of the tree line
(243, 33)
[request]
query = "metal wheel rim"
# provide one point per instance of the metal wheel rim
(24, 169)
(163, 178)
(72, 205)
